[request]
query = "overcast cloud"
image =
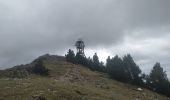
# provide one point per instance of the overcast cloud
(30, 28)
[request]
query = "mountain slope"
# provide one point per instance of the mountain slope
(69, 82)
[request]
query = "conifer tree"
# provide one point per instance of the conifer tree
(132, 70)
(158, 80)
(70, 56)
(102, 67)
(90, 63)
(157, 74)
(108, 64)
(115, 68)
(80, 59)
(96, 62)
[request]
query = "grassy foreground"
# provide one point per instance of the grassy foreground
(71, 82)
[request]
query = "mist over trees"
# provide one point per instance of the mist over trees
(125, 70)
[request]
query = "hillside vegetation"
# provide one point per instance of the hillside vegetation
(67, 81)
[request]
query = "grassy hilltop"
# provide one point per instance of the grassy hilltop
(67, 81)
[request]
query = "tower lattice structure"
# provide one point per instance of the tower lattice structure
(80, 47)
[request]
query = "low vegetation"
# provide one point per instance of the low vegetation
(83, 79)
(125, 70)
(39, 68)
(67, 81)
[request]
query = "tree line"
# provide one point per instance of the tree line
(125, 70)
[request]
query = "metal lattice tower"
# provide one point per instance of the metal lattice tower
(80, 47)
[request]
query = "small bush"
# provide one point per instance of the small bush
(39, 68)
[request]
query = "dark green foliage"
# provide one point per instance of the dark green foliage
(97, 65)
(125, 70)
(102, 67)
(80, 59)
(70, 56)
(76, 59)
(108, 63)
(95, 60)
(132, 71)
(158, 80)
(115, 68)
(90, 63)
(157, 73)
(93, 64)
(39, 68)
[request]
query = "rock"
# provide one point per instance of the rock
(77, 91)
(38, 97)
(139, 89)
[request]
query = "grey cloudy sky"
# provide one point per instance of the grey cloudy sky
(30, 28)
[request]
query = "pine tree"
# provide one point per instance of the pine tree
(132, 71)
(157, 74)
(108, 64)
(90, 63)
(102, 67)
(70, 56)
(115, 68)
(158, 80)
(80, 59)
(96, 62)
